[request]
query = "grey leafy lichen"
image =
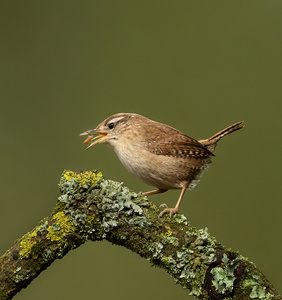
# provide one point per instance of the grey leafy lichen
(223, 276)
(196, 255)
(189, 263)
(258, 291)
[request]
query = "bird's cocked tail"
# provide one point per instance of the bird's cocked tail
(211, 143)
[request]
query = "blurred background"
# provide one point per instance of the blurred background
(198, 66)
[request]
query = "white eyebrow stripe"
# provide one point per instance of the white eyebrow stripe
(114, 120)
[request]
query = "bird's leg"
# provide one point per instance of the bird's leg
(158, 191)
(174, 210)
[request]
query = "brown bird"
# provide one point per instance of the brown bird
(156, 153)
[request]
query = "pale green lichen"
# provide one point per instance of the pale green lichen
(195, 260)
(168, 260)
(156, 249)
(180, 219)
(258, 291)
(112, 201)
(21, 277)
(191, 261)
(115, 202)
(224, 275)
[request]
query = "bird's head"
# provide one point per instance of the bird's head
(111, 129)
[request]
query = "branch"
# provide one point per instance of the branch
(93, 208)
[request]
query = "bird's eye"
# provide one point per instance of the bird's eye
(111, 125)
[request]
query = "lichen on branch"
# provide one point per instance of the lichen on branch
(93, 208)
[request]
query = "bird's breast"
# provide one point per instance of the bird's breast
(156, 170)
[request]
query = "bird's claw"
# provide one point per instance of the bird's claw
(171, 211)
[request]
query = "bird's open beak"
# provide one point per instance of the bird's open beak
(101, 137)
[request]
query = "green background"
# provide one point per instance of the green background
(196, 65)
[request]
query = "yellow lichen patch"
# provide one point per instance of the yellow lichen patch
(169, 238)
(165, 260)
(90, 219)
(85, 177)
(62, 226)
(168, 233)
(27, 242)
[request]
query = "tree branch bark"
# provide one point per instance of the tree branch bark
(93, 208)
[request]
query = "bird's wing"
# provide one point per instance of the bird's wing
(180, 146)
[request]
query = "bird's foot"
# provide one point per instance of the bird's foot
(171, 211)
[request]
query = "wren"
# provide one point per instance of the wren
(156, 153)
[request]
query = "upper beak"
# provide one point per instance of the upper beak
(89, 132)
(101, 137)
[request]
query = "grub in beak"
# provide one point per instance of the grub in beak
(100, 138)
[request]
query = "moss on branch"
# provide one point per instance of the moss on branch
(93, 208)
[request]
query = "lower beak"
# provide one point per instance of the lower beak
(100, 138)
